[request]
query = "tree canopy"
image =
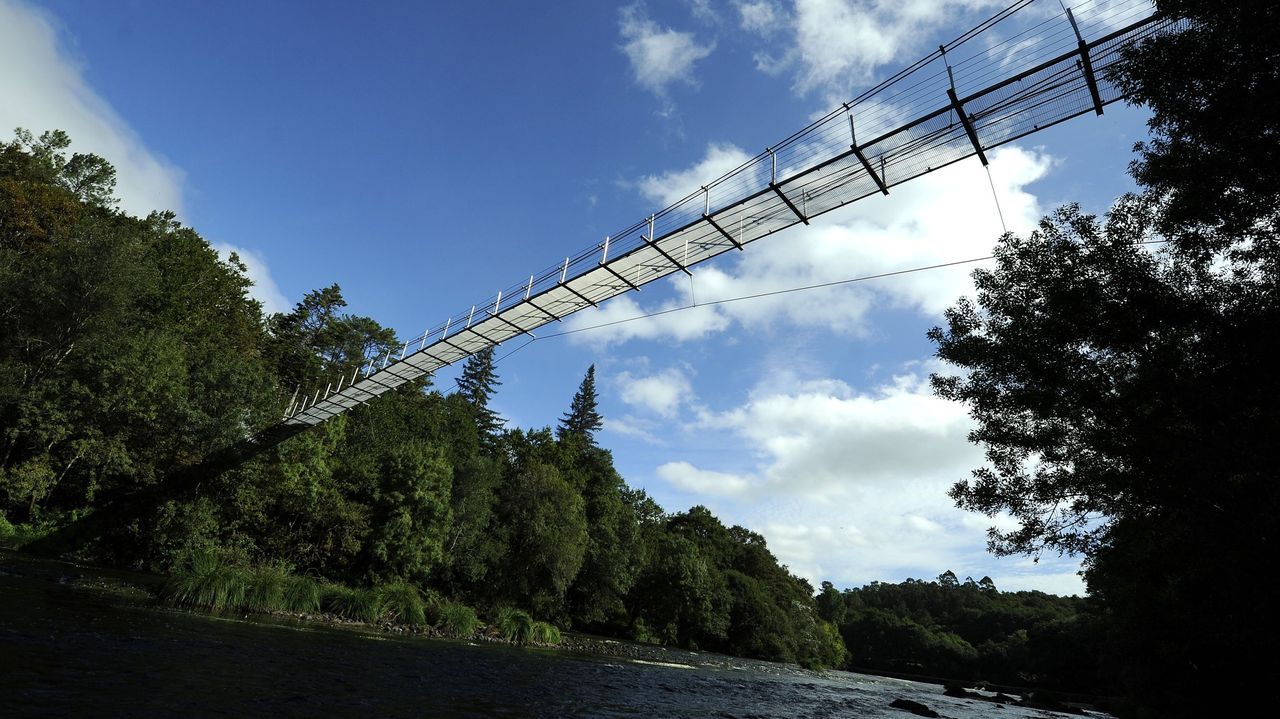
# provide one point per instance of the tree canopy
(1120, 370)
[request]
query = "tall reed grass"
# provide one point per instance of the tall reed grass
(544, 633)
(205, 581)
(364, 605)
(458, 620)
(514, 625)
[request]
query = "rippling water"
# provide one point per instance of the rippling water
(71, 645)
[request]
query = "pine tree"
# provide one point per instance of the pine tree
(477, 385)
(582, 419)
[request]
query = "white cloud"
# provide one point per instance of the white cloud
(669, 188)
(827, 441)
(760, 16)
(1062, 583)
(686, 477)
(44, 89)
(659, 56)
(661, 394)
(622, 318)
(851, 485)
(836, 45)
(631, 426)
(942, 217)
(702, 10)
(264, 287)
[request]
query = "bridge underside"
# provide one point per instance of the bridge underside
(823, 167)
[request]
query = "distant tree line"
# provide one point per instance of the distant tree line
(971, 631)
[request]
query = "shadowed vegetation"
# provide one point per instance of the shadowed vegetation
(458, 620)
(514, 625)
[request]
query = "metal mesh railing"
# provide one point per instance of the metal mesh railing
(961, 100)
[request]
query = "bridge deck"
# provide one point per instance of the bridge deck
(915, 123)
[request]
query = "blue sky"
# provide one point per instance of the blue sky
(424, 155)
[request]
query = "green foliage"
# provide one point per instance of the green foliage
(360, 604)
(476, 386)
(546, 527)
(544, 633)
(514, 625)
(583, 418)
(402, 603)
(458, 620)
(204, 581)
(301, 594)
(266, 589)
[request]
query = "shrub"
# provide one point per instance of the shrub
(458, 620)
(544, 633)
(514, 625)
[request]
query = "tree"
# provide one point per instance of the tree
(478, 382)
(582, 420)
(88, 177)
(1122, 393)
(1214, 94)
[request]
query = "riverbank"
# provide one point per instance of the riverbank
(144, 590)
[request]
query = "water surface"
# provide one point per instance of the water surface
(73, 643)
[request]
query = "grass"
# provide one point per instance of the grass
(301, 594)
(204, 581)
(514, 625)
(458, 620)
(544, 633)
(265, 591)
(365, 605)
(403, 603)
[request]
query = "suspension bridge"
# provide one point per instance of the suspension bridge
(1025, 69)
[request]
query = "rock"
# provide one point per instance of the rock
(916, 708)
(955, 690)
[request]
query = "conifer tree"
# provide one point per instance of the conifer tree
(582, 419)
(477, 385)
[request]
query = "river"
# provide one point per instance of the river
(78, 641)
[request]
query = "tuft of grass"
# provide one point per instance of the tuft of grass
(458, 620)
(514, 625)
(544, 633)
(364, 605)
(403, 603)
(301, 594)
(203, 580)
(265, 591)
